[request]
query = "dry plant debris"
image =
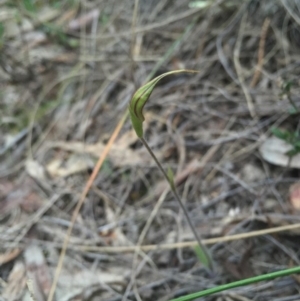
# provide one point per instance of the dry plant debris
(67, 72)
(274, 150)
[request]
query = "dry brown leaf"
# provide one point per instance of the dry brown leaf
(75, 164)
(16, 283)
(7, 13)
(120, 155)
(31, 203)
(23, 196)
(12, 28)
(72, 284)
(38, 272)
(87, 278)
(295, 195)
(5, 188)
(9, 255)
(273, 150)
(46, 53)
(66, 58)
(35, 170)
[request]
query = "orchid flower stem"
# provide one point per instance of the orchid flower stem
(177, 197)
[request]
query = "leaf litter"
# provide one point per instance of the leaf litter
(66, 74)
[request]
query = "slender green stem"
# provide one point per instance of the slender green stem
(174, 191)
(239, 283)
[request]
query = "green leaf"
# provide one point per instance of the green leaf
(244, 282)
(286, 86)
(140, 98)
(292, 152)
(171, 178)
(29, 5)
(202, 256)
(284, 135)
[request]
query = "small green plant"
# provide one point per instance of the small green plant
(136, 106)
(292, 138)
(29, 5)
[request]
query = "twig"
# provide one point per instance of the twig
(261, 52)
(188, 244)
(238, 67)
(80, 203)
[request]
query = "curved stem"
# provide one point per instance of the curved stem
(177, 197)
(239, 283)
